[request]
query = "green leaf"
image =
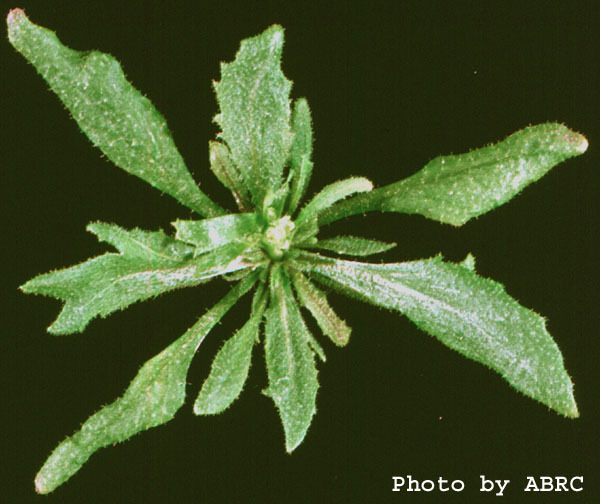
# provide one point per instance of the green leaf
(300, 151)
(353, 245)
(454, 189)
(208, 234)
(151, 246)
(152, 398)
(230, 367)
(331, 194)
(306, 234)
(468, 313)
(142, 270)
(224, 168)
(290, 362)
(316, 302)
(253, 96)
(116, 117)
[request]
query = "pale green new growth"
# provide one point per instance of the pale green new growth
(353, 245)
(300, 151)
(331, 194)
(264, 158)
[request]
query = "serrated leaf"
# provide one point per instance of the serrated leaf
(466, 312)
(111, 281)
(222, 165)
(253, 96)
(353, 245)
(208, 234)
(300, 151)
(152, 399)
(230, 367)
(290, 362)
(114, 115)
(454, 189)
(316, 302)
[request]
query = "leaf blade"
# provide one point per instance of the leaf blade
(152, 398)
(209, 234)
(354, 245)
(300, 152)
(230, 366)
(106, 283)
(253, 96)
(466, 312)
(330, 194)
(224, 168)
(147, 245)
(455, 189)
(316, 302)
(290, 362)
(114, 115)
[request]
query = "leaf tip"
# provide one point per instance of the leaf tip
(14, 21)
(364, 185)
(291, 445)
(573, 143)
(14, 17)
(40, 485)
(277, 37)
(199, 409)
(28, 287)
(572, 411)
(582, 144)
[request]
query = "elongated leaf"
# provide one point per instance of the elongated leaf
(253, 96)
(300, 151)
(316, 302)
(290, 362)
(315, 346)
(454, 189)
(152, 398)
(331, 194)
(353, 245)
(116, 117)
(230, 368)
(468, 313)
(208, 234)
(111, 281)
(224, 168)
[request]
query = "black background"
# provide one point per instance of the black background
(391, 85)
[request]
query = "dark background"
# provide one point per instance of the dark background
(391, 85)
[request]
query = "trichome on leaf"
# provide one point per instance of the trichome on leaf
(272, 245)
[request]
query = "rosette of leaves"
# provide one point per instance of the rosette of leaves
(271, 245)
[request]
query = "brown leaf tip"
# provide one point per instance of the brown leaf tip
(15, 16)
